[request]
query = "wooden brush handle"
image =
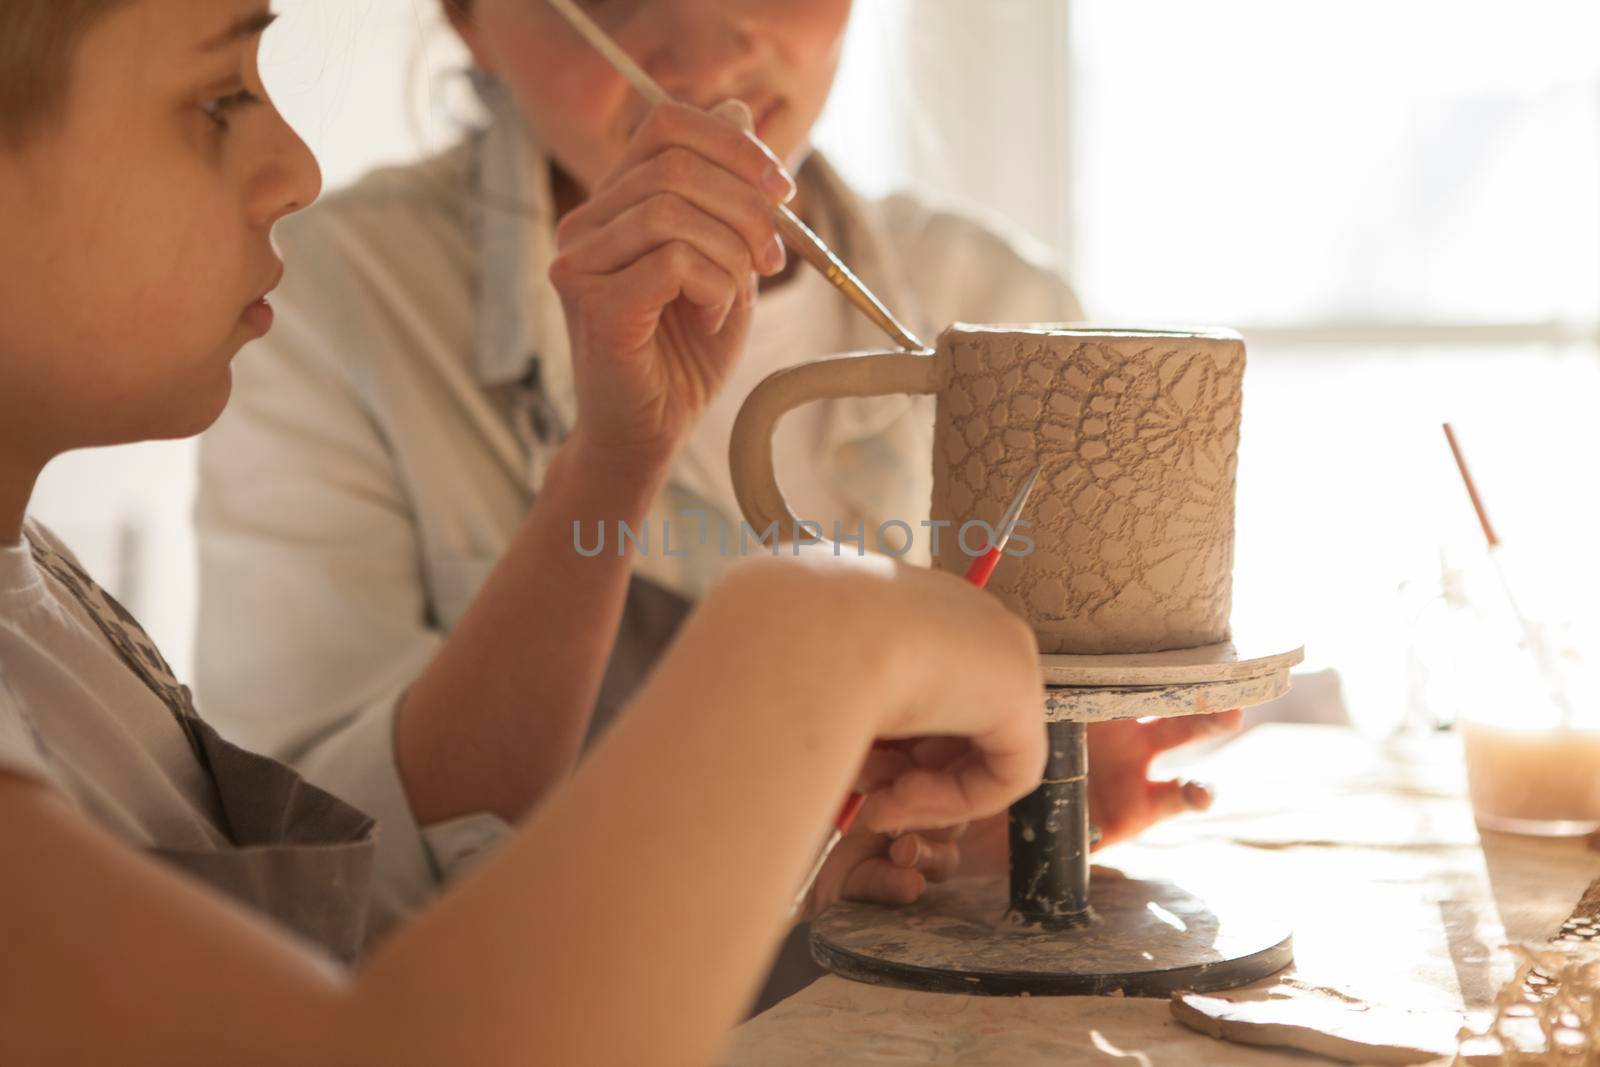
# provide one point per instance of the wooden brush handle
(804, 242)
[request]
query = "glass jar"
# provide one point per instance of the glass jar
(1519, 691)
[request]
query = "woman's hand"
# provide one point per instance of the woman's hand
(657, 273)
(1123, 801)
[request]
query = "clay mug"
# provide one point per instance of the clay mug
(1136, 432)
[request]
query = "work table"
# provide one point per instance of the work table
(1367, 847)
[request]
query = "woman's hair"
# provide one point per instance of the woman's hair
(38, 39)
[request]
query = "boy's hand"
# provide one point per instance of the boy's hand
(877, 650)
(969, 738)
(884, 869)
(657, 274)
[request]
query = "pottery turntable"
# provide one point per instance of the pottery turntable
(1128, 587)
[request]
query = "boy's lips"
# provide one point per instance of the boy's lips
(258, 315)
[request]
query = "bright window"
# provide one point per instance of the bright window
(1365, 162)
(1400, 206)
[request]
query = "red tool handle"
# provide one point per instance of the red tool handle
(848, 812)
(982, 567)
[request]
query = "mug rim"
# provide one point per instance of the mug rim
(1088, 329)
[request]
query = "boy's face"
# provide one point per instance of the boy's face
(778, 56)
(137, 230)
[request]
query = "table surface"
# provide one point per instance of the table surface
(1368, 848)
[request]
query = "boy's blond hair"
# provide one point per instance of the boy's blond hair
(37, 41)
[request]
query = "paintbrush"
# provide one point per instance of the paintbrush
(796, 234)
(978, 574)
(1535, 643)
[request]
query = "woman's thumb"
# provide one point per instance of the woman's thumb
(737, 112)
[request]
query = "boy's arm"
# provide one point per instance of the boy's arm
(682, 839)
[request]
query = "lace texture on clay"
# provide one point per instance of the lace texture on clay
(1133, 515)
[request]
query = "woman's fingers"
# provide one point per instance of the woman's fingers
(737, 112)
(692, 184)
(622, 309)
(1153, 803)
(686, 214)
(716, 139)
(676, 269)
(1163, 734)
(1176, 797)
(651, 224)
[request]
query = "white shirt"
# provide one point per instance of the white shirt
(74, 716)
(785, 313)
(381, 449)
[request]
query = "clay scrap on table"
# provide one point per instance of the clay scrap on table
(1327, 1025)
(1547, 1021)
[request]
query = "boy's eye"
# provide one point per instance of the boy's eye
(219, 108)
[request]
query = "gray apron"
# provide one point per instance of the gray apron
(300, 855)
(651, 615)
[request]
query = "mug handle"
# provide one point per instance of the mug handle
(862, 374)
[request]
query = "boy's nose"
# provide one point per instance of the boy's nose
(289, 180)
